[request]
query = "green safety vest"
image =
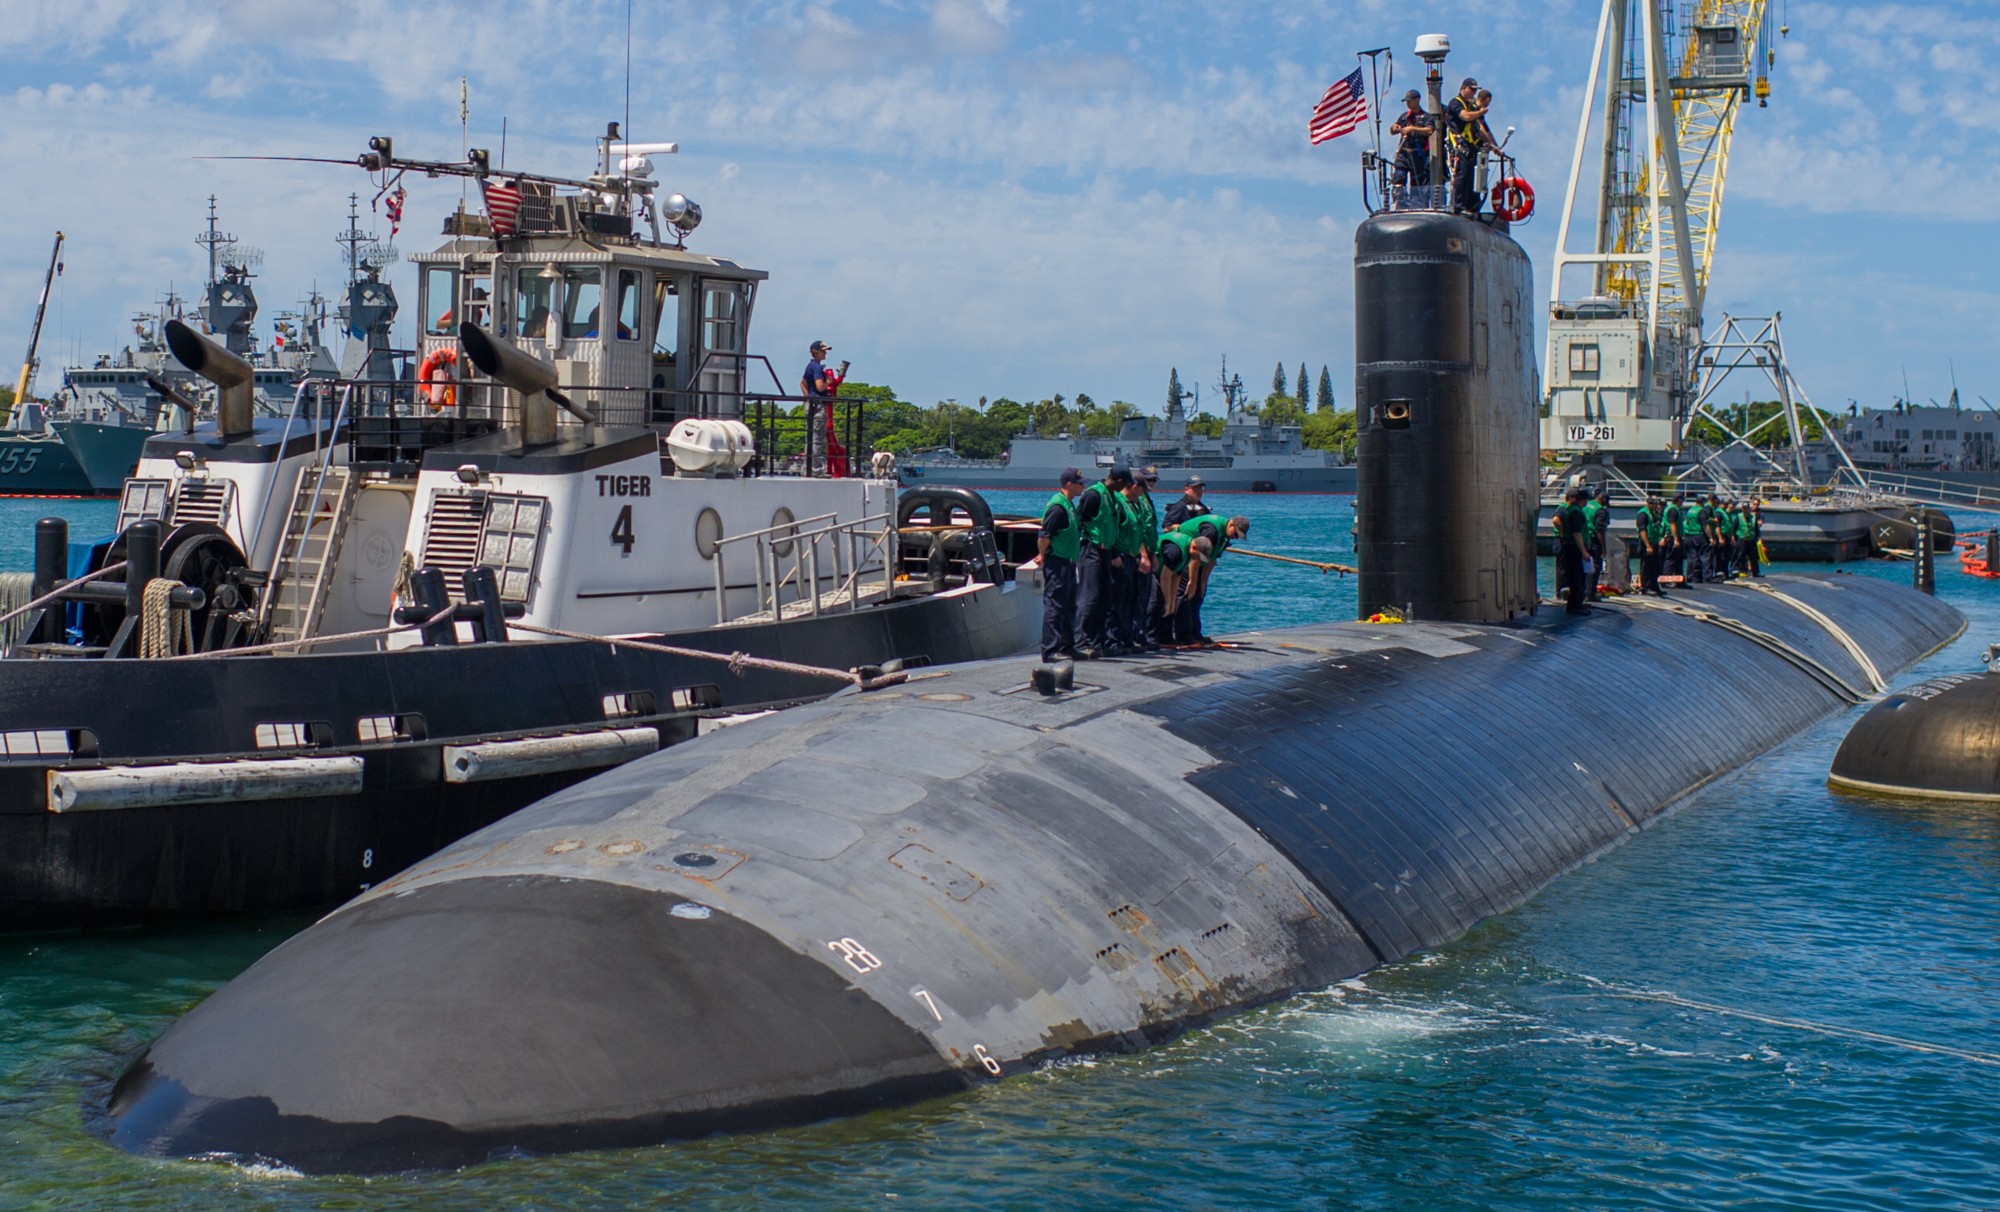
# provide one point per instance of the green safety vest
(1127, 542)
(1067, 543)
(1591, 512)
(1690, 523)
(1649, 524)
(1746, 525)
(1173, 551)
(1108, 523)
(1190, 530)
(1146, 516)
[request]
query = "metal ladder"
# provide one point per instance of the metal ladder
(308, 552)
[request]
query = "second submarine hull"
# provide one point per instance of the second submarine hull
(889, 895)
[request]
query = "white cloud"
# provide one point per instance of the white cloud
(994, 197)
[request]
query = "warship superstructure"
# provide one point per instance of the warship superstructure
(1249, 455)
(324, 643)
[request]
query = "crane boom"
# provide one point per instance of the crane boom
(1672, 76)
(29, 363)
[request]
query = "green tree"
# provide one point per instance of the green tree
(1173, 388)
(1303, 393)
(1327, 429)
(1206, 425)
(1281, 409)
(1325, 402)
(1278, 380)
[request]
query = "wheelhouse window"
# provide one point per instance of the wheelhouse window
(628, 305)
(534, 295)
(1583, 359)
(440, 296)
(666, 317)
(722, 317)
(583, 291)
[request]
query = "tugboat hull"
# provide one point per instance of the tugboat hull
(280, 850)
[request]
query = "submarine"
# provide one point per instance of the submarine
(1938, 739)
(900, 893)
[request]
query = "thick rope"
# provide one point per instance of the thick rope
(737, 661)
(57, 593)
(1833, 629)
(15, 588)
(1826, 676)
(163, 631)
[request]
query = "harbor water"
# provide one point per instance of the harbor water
(1775, 998)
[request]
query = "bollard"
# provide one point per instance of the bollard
(482, 590)
(51, 570)
(428, 594)
(142, 563)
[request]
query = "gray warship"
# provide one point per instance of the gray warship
(1249, 456)
(87, 436)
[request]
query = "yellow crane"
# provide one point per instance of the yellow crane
(1668, 79)
(29, 363)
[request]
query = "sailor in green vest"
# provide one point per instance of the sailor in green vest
(1220, 533)
(1134, 563)
(1746, 540)
(1145, 605)
(1670, 562)
(1753, 518)
(1061, 543)
(1651, 528)
(1694, 539)
(1596, 521)
(1100, 519)
(1177, 554)
(1573, 563)
(1725, 530)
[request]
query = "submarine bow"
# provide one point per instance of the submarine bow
(898, 893)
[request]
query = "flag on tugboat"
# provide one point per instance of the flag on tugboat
(1344, 107)
(503, 207)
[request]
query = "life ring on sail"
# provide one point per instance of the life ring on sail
(436, 375)
(1514, 200)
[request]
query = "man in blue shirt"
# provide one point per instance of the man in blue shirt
(813, 382)
(814, 387)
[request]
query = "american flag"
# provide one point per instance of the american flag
(1344, 107)
(503, 207)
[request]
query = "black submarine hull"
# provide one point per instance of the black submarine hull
(891, 895)
(1939, 739)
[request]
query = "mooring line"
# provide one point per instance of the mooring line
(1799, 1024)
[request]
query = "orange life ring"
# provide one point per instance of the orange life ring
(1514, 200)
(434, 381)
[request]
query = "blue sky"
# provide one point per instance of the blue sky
(984, 197)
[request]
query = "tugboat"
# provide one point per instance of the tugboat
(323, 645)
